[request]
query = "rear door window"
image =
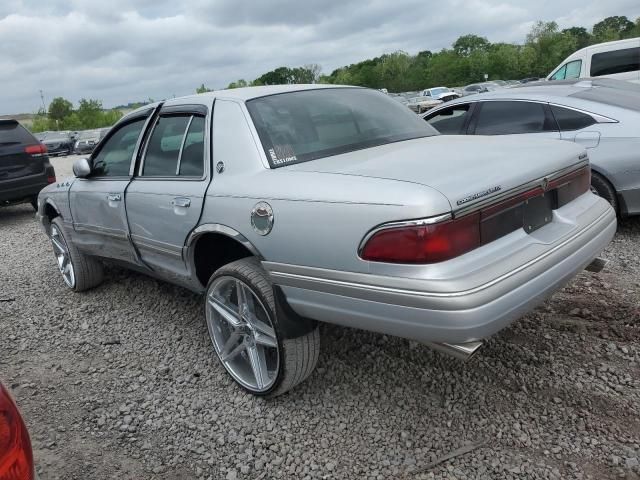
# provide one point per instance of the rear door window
(615, 61)
(508, 118)
(569, 119)
(163, 150)
(450, 121)
(176, 147)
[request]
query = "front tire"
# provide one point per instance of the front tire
(79, 271)
(248, 336)
(601, 187)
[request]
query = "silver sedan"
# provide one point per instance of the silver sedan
(286, 206)
(602, 115)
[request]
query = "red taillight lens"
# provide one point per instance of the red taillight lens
(51, 179)
(35, 150)
(424, 243)
(16, 457)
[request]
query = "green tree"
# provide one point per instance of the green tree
(468, 44)
(59, 109)
(238, 84)
(613, 28)
(201, 89)
(582, 36)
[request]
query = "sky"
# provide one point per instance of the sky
(120, 51)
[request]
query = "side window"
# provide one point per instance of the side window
(615, 61)
(450, 120)
(570, 119)
(163, 149)
(560, 74)
(508, 118)
(573, 69)
(114, 158)
(192, 161)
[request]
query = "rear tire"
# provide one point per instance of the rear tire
(240, 310)
(84, 272)
(601, 187)
(34, 203)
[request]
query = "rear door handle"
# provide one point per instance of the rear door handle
(114, 197)
(181, 202)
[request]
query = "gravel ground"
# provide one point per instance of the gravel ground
(121, 382)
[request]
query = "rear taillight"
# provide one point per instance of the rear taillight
(432, 243)
(51, 179)
(16, 457)
(36, 150)
(423, 243)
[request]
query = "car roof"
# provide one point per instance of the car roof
(239, 94)
(610, 92)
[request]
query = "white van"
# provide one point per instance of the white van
(619, 59)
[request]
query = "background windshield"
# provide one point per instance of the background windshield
(301, 126)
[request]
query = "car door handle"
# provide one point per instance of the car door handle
(181, 202)
(114, 197)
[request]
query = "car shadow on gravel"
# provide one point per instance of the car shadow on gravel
(14, 213)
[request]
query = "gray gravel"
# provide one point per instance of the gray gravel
(121, 382)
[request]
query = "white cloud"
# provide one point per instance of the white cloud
(122, 50)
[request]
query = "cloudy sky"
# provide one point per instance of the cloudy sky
(128, 50)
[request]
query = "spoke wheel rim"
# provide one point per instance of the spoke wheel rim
(242, 333)
(61, 252)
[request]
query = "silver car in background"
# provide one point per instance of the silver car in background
(602, 115)
(292, 205)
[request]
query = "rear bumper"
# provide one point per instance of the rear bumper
(404, 307)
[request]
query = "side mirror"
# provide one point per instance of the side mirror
(81, 168)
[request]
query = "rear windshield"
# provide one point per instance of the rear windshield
(301, 126)
(13, 132)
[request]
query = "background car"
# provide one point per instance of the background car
(619, 60)
(86, 141)
(603, 115)
(440, 93)
(57, 143)
(16, 455)
(24, 165)
(480, 88)
(422, 104)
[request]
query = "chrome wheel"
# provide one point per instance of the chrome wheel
(61, 251)
(242, 333)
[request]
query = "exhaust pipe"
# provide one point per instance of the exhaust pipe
(597, 265)
(461, 351)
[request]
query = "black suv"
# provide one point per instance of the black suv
(24, 165)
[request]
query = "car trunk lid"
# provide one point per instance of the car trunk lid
(465, 169)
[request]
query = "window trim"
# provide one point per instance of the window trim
(175, 113)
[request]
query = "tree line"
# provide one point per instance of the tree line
(62, 116)
(467, 61)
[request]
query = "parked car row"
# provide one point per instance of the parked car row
(65, 142)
